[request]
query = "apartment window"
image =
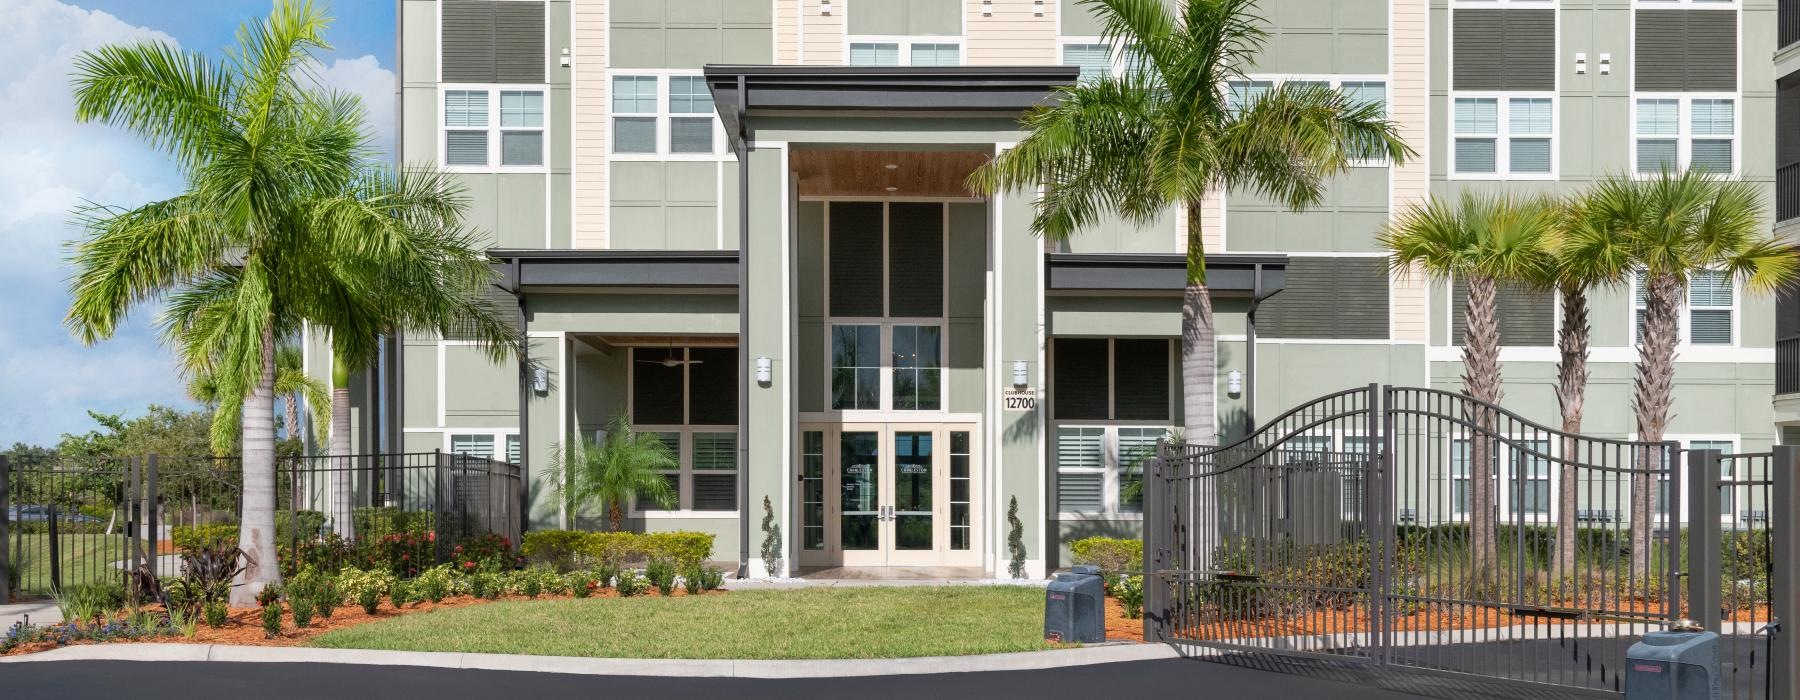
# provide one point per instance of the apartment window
(1239, 93)
(1099, 467)
(1094, 60)
(485, 127)
(1531, 477)
(918, 363)
(1711, 311)
(1111, 379)
(899, 52)
(961, 488)
(687, 397)
(1503, 136)
(483, 445)
(812, 490)
(936, 55)
(1727, 500)
(1366, 92)
(644, 123)
(885, 279)
(1676, 133)
(874, 54)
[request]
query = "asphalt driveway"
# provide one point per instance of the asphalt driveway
(1181, 678)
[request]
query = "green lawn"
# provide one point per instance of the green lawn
(86, 558)
(806, 623)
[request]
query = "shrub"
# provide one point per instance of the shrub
(771, 544)
(691, 580)
(302, 608)
(661, 574)
(559, 549)
(90, 601)
(271, 620)
(629, 584)
(434, 583)
(364, 587)
(606, 573)
(326, 553)
(1015, 539)
(621, 548)
(483, 553)
(403, 554)
(711, 580)
(1111, 554)
(531, 586)
(377, 522)
(269, 594)
(216, 614)
(187, 537)
(205, 579)
(369, 599)
(1130, 593)
(400, 593)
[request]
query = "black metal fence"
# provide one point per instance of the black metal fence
(72, 521)
(1351, 528)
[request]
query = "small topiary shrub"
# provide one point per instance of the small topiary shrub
(771, 544)
(1015, 539)
(531, 586)
(369, 599)
(271, 620)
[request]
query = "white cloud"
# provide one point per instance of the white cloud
(50, 164)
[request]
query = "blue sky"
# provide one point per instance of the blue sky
(49, 165)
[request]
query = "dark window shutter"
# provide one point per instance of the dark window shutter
(1787, 120)
(468, 36)
(1329, 298)
(519, 42)
(713, 387)
(500, 303)
(1504, 49)
(655, 390)
(915, 260)
(855, 230)
(1527, 316)
(1078, 380)
(1141, 379)
(1686, 50)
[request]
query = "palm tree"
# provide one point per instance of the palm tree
(292, 384)
(1168, 133)
(1584, 255)
(622, 467)
(1674, 226)
(432, 279)
(1486, 241)
(276, 208)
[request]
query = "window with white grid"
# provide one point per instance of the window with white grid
(1679, 132)
(898, 51)
(493, 129)
(1710, 316)
(664, 114)
(1504, 136)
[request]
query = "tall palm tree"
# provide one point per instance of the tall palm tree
(243, 256)
(433, 278)
(1584, 255)
(1486, 241)
(292, 384)
(1168, 132)
(623, 466)
(1674, 226)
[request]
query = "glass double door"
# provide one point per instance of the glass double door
(889, 495)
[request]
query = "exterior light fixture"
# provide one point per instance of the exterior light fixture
(540, 380)
(764, 370)
(987, 8)
(1021, 373)
(824, 7)
(1037, 8)
(1606, 64)
(567, 58)
(1581, 64)
(1234, 383)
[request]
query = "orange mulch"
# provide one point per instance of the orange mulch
(1120, 628)
(244, 625)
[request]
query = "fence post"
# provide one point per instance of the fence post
(55, 542)
(152, 513)
(6, 572)
(1156, 534)
(439, 512)
(1785, 559)
(1703, 538)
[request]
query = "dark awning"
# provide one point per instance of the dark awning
(617, 268)
(1008, 89)
(1226, 274)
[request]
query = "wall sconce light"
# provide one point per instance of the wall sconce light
(540, 380)
(1606, 64)
(1581, 64)
(987, 8)
(1234, 383)
(764, 370)
(1021, 373)
(567, 58)
(824, 7)
(1037, 8)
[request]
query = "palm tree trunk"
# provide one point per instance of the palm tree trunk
(615, 515)
(342, 491)
(1199, 369)
(1571, 397)
(291, 402)
(1481, 380)
(1652, 395)
(256, 531)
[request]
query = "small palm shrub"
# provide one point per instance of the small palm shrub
(661, 574)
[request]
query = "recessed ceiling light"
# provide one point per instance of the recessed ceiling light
(892, 166)
(893, 189)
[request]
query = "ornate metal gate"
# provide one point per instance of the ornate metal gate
(1352, 527)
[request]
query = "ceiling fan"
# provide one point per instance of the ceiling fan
(672, 360)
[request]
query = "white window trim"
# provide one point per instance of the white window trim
(1681, 4)
(1686, 440)
(1476, 4)
(685, 462)
(1336, 81)
(499, 436)
(1503, 478)
(1684, 133)
(1503, 135)
(1684, 318)
(663, 117)
(904, 43)
(493, 128)
(1112, 465)
(886, 410)
(1115, 56)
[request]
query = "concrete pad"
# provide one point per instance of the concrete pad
(41, 612)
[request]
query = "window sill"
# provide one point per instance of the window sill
(686, 514)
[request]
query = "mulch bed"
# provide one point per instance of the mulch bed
(244, 625)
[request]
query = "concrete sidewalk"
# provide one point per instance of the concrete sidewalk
(679, 668)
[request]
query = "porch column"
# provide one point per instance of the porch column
(1017, 437)
(768, 332)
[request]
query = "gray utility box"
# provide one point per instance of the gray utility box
(1075, 607)
(1673, 666)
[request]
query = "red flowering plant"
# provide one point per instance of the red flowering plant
(484, 553)
(404, 554)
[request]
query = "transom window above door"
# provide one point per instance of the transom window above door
(885, 305)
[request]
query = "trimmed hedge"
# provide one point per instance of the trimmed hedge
(565, 549)
(1111, 554)
(193, 536)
